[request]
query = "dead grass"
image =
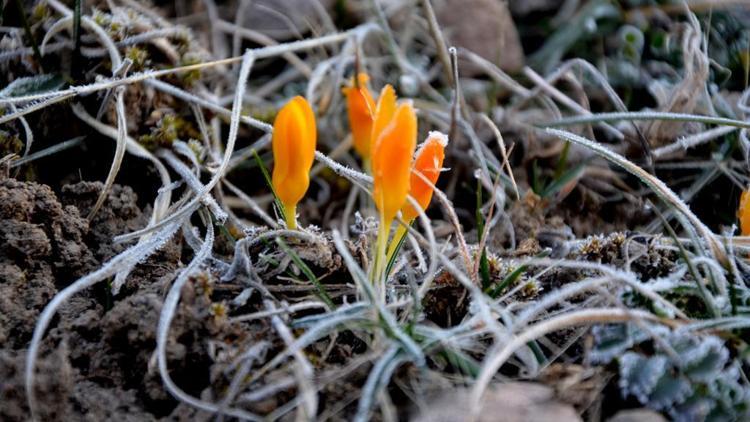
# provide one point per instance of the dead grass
(517, 334)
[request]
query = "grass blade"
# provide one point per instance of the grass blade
(565, 177)
(484, 265)
(512, 277)
(76, 37)
(392, 256)
(27, 32)
(646, 115)
(322, 293)
(267, 177)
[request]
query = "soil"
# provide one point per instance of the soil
(97, 362)
(42, 249)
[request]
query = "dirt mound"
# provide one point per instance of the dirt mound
(45, 244)
(54, 386)
(41, 249)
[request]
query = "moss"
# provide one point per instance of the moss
(204, 284)
(219, 311)
(170, 128)
(100, 18)
(191, 77)
(164, 134)
(114, 27)
(139, 56)
(10, 144)
(198, 150)
(39, 13)
(531, 289)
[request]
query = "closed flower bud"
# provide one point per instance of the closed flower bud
(294, 138)
(384, 112)
(361, 110)
(391, 161)
(428, 163)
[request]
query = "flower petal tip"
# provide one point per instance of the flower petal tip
(438, 136)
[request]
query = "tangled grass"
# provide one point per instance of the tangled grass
(702, 293)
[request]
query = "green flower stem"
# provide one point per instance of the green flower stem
(290, 215)
(378, 276)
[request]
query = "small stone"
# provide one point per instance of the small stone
(510, 402)
(484, 27)
(283, 19)
(637, 415)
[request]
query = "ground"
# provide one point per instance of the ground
(584, 255)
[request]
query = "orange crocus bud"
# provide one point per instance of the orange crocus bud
(294, 137)
(384, 112)
(391, 162)
(743, 213)
(361, 109)
(429, 162)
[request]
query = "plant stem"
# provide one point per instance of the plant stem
(29, 34)
(290, 215)
(367, 165)
(378, 278)
(76, 67)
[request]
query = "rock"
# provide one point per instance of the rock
(576, 385)
(486, 28)
(637, 415)
(510, 402)
(527, 7)
(283, 19)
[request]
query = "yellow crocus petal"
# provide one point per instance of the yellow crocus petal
(428, 162)
(384, 112)
(361, 111)
(743, 213)
(391, 162)
(294, 139)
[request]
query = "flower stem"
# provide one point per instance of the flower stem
(367, 165)
(378, 278)
(290, 214)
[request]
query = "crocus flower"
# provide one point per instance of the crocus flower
(743, 213)
(361, 110)
(429, 163)
(294, 137)
(395, 139)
